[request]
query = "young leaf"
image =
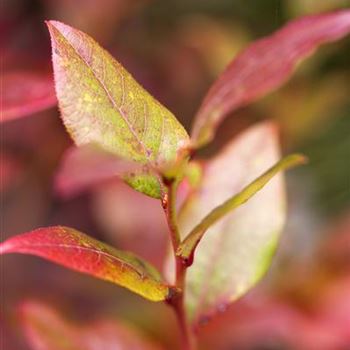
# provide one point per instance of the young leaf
(88, 165)
(102, 104)
(45, 329)
(236, 251)
(77, 251)
(24, 93)
(264, 66)
(187, 247)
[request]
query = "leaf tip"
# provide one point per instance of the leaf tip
(53, 23)
(58, 26)
(299, 159)
(49, 23)
(5, 247)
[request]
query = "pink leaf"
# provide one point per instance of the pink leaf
(45, 329)
(24, 93)
(86, 166)
(77, 251)
(264, 66)
(236, 251)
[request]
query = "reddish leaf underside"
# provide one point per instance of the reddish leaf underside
(45, 329)
(86, 166)
(24, 93)
(77, 251)
(264, 66)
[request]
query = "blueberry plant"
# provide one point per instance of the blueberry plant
(224, 215)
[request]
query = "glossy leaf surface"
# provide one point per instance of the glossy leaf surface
(264, 66)
(24, 93)
(77, 251)
(45, 329)
(102, 104)
(236, 251)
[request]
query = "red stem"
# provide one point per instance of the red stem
(178, 301)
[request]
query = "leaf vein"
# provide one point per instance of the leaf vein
(111, 99)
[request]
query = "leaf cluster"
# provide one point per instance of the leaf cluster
(228, 225)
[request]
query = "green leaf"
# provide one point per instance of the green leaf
(187, 247)
(77, 251)
(102, 104)
(235, 251)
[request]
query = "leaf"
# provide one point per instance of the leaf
(102, 104)
(187, 247)
(24, 93)
(45, 329)
(77, 251)
(86, 166)
(264, 66)
(236, 251)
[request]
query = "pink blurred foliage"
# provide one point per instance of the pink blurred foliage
(258, 321)
(25, 93)
(45, 329)
(132, 221)
(82, 168)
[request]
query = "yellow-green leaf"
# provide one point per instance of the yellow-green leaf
(187, 247)
(101, 103)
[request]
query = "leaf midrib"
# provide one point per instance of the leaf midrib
(99, 252)
(146, 151)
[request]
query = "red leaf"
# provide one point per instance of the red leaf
(77, 251)
(45, 329)
(24, 93)
(264, 66)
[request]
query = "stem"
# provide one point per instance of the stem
(169, 205)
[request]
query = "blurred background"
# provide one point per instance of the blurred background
(176, 49)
